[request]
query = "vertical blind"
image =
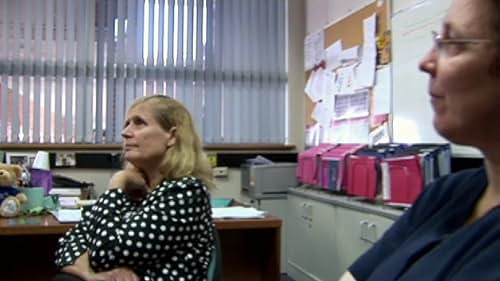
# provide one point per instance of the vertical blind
(69, 69)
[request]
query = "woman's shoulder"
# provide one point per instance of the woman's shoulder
(464, 179)
(179, 188)
(185, 182)
(456, 184)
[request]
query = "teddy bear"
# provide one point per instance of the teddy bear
(11, 199)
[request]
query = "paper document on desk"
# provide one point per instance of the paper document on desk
(237, 212)
(65, 191)
(69, 202)
(67, 215)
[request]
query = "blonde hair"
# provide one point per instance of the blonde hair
(186, 156)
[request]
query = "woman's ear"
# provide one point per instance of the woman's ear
(173, 136)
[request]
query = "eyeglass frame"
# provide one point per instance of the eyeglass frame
(439, 42)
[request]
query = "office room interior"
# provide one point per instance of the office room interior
(322, 231)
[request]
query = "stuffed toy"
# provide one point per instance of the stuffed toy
(11, 199)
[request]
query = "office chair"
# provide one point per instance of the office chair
(215, 266)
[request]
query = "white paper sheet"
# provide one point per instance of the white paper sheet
(318, 87)
(324, 110)
(382, 91)
(345, 80)
(352, 106)
(312, 135)
(314, 49)
(379, 135)
(365, 74)
(351, 131)
(67, 215)
(351, 54)
(237, 212)
(333, 55)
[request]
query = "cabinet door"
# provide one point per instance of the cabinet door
(376, 227)
(323, 241)
(351, 236)
(298, 237)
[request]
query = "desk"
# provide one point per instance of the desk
(250, 248)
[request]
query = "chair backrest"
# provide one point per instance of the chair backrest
(215, 266)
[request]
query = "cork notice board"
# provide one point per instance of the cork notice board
(350, 31)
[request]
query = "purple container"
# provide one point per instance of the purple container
(41, 178)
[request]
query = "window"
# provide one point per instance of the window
(70, 68)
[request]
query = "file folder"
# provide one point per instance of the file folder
(333, 166)
(406, 181)
(362, 176)
(308, 168)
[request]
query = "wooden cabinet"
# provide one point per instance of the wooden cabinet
(326, 233)
(277, 207)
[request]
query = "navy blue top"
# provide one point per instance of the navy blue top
(431, 240)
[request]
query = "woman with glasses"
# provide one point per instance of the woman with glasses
(154, 222)
(452, 232)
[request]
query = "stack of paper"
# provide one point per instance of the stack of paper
(67, 215)
(69, 202)
(83, 203)
(237, 212)
(66, 191)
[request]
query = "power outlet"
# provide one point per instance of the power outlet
(220, 172)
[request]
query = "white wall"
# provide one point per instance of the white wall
(316, 15)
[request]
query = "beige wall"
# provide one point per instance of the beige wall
(296, 74)
(100, 177)
(226, 187)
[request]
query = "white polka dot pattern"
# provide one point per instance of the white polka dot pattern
(167, 236)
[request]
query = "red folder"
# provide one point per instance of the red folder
(308, 167)
(333, 166)
(406, 178)
(362, 176)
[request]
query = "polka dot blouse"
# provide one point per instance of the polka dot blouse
(166, 236)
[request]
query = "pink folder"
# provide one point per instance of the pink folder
(308, 163)
(406, 180)
(333, 166)
(362, 176)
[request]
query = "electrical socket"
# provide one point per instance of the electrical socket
(220, 172)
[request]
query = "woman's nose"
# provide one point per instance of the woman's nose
(126, 132)
(428, 63)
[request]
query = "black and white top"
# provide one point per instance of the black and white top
(166, 236)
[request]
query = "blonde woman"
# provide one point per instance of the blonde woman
(154, 222)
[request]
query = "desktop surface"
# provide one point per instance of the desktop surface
(250, 247)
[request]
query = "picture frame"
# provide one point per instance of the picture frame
(23, 159)
(66, 159)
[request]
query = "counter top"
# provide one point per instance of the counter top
(346, 201)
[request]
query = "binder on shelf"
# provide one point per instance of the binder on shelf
(333, 166)
(406, 181)
(308, 168)
(362, 176)
(364, 169)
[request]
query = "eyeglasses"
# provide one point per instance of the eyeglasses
(453, 46)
